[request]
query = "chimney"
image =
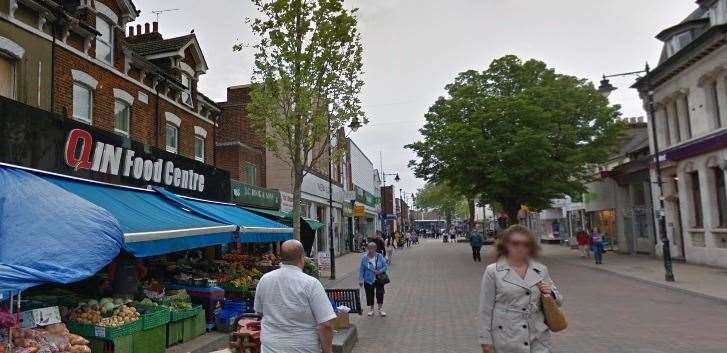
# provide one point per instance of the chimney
(155, 26)
(131, 31)
(138, 29)
(146, 28)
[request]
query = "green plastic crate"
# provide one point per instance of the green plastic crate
(105, 332)
(178, 315)
(124, 344)
(151, 341)
(154, 316)
(175, 332)
(194, 327)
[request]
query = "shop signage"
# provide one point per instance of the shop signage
(324, 261)
(40, 317)
(42, 140)
(347, 209)
(359, 211)
(254, 196)
(366, 197)
(286, 201)
(81, 152)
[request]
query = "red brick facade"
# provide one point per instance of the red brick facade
(237, 143)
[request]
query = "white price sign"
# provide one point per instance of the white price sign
(324, 261)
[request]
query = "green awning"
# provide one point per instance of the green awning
(286, 217)
(313, 224)
(277, 214)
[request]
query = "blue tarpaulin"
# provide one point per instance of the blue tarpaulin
(50, 235)
(151, 225)
(253, 228)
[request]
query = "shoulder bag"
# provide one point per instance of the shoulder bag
(554, 316)
(383, 277)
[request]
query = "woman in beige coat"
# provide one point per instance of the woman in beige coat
(511, 318)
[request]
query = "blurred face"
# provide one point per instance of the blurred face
(371, 248)
(517, 247)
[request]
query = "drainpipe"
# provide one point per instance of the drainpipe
(157, 124)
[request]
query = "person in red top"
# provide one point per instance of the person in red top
(582, 241)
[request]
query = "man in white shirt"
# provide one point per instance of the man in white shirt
(297, 314)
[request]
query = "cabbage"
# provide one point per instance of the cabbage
(107, 307)
(106, 300)
(92, 302)
(118, 301)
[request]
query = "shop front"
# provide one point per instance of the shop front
(600, 208)
(133, 247)
(315, 199)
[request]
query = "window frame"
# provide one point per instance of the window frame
(168, 148)
(198, 138)
(110, 45)
(245, 169)
(90, 102)
(721, 197)
(13, 75)
(128, 117)
(697, 210)
(714, 97)
(188, 101)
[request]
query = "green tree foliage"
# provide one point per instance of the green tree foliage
(442, 198)
(306, 81)
(516, 134)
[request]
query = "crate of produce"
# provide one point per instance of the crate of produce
(151, 341)
(105, 332)
(178, 314)
(153, 316)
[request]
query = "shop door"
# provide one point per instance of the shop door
(644, 233)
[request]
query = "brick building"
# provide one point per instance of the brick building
(141, 85)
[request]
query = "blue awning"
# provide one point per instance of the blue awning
(151, 225)
(253, 228)
(48, 235)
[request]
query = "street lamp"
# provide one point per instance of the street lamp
(605, 89)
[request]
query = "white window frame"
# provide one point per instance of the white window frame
(186, 95)
(112, 26)
(244, 170)
(198, 138)
(128, 117)
(90, 103)
(172, 149)
(13, 75)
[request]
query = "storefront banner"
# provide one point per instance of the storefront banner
(318, 186)
(366, 197)
(286, 201)
(253, 196)
(42, 140)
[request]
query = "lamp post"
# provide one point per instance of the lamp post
(354, 125)
(605, 89)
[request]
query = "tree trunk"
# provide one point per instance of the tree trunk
(512, 210)
(297, 185)
(471, 209)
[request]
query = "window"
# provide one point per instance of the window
(688, 118)
(249, 174)
(696, 201)
(172, 137)
(82, 102)
(187, 93)
(122, 115)
(199, 148)
(713, 101)
(675, 122)
(721, 197)
(718, 13)
(105, 40)
(678, 41)
(7, 77)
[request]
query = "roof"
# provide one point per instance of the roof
(151, 47)
(635, 137)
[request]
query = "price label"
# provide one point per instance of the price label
(100, 331)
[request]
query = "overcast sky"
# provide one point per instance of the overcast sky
(415, 47)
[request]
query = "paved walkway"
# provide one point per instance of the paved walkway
(432, 305)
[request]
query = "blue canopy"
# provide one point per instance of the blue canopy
(151, 225)
(253, 228)
(50, 235)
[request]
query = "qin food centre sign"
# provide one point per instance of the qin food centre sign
(81, 152)
(42, 140)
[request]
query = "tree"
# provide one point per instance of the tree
(306, 81)
(516, 134)
(442, 198)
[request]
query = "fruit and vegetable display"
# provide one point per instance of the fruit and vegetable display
(107, 312)
(51, 339)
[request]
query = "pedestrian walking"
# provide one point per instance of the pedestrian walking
(296, 312)
(380, 244)
(476, 244)
(511, 318)
(583, 243)
(372, 276)
(597, 246)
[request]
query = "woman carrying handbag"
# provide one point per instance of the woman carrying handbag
(373, 277)
(517, 293)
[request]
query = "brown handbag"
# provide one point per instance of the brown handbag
(554, 316)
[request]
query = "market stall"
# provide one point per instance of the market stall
(176, 257)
